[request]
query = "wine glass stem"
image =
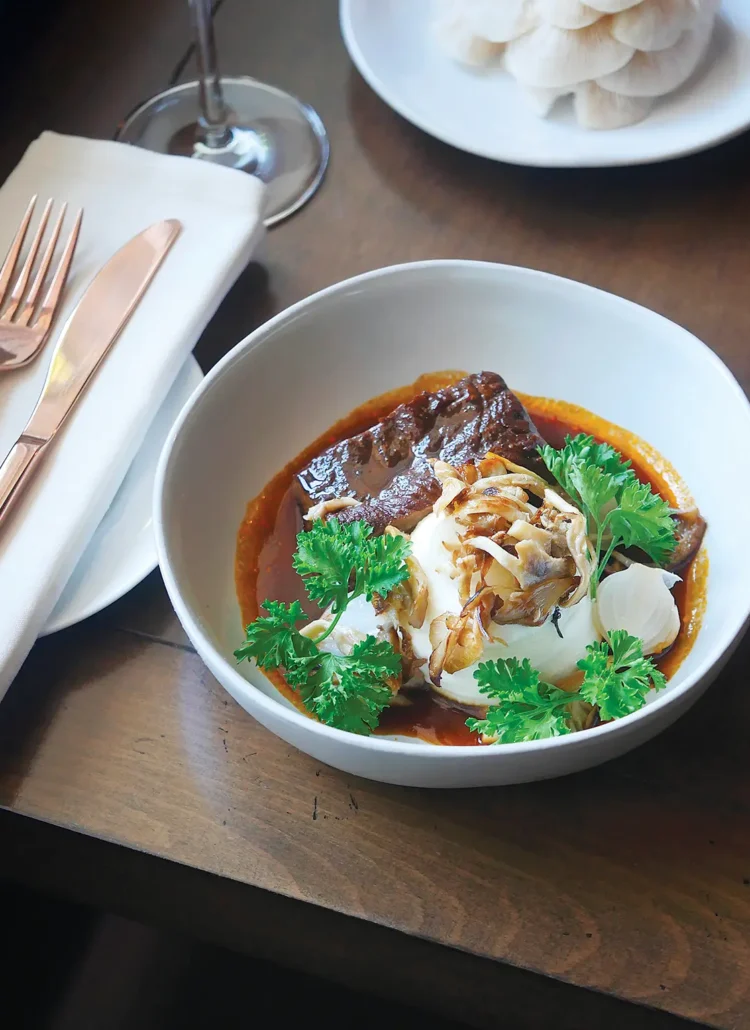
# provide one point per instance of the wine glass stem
(216, 132)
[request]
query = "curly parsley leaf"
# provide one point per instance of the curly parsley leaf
(617, 680)
(351, 692)
(527, 709)
(625, 648)
(325, 558)
(582, 451)
(337, 563)
(586, 449)
(617, 677)
(384, 564)
(643, 519)
(340, 561)
(273, 639)
(619, 509)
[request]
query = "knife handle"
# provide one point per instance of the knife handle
(16, 471)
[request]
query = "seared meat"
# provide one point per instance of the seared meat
(387, 468)
(690, 529)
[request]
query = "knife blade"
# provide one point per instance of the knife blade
(96, 322)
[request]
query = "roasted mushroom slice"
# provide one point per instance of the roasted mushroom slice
(408, 601)
(457, 642)
(326, 508)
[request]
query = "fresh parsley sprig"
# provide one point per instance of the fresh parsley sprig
(337, 562)
(620, 510)
(528, 709)
(617, 679)
(341, 561)
(617, 676)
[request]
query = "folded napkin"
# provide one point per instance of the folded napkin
(123, 190)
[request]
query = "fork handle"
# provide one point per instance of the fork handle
(16, 471)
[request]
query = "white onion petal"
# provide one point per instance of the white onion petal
(639, 601)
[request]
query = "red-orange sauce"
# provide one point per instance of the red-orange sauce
(267, 540)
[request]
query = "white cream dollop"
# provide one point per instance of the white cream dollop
(639, 600)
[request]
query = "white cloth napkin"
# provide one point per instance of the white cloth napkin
(122, 190)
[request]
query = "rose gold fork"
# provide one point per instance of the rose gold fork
(20, 338)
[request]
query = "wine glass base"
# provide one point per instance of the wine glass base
(272, 136)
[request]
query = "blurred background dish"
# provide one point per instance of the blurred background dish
(482, 109)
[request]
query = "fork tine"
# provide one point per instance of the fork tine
(20, 288)
(51, 301)
(11, 258)
(28, 309)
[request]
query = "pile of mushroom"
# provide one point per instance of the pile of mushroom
(615, 57)
(513, 561)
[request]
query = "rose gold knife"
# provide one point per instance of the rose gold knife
(96, 322)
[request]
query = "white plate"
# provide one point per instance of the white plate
(122, 552)
(310, 365)
(391, 44)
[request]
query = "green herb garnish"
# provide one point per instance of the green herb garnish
(617, 676)
(619, 509)
(528, 708)
(337, 562)
(617, 679)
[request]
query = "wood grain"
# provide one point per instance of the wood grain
(632, 879)
(611, 879)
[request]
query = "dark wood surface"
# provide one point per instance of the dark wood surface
(633, 879)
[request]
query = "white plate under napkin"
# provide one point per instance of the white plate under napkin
(122, 551)
(123, 190)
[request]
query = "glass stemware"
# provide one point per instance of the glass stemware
(237, 122)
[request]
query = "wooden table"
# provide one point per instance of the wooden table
(131, 780)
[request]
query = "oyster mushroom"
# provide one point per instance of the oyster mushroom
(550, 57)
(503, 21)
(542, 101)
(655, 25)
(658, 72)
(550, 563)
(598, 108)
(568, 520)
(568, 14)
(452, 483)
(457, 642)
(326, 508)
(614, 6)
(615, 57)
(456, 35)
(408, 600)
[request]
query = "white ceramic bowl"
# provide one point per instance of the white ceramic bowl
(297, 374)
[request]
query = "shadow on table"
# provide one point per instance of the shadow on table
(52, 672)
(410, 161)
(249, 303)
(117, 974)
